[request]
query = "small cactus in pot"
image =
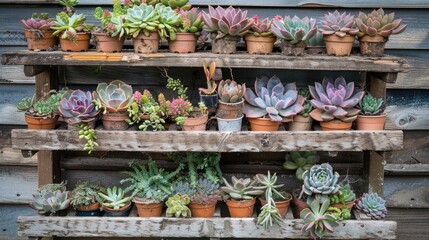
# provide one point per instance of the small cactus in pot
(260, 39)
(371, 115)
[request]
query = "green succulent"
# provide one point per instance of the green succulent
(175, 4)
(300, 161)
(320, 182)
(114, 97)
(372, 205)
(143, 18)
(86, 194)
(183, 188)
(371, 106)
(307, 104)
(317, 220)
(340, 214)
(344, 195)
(52, 187)
(69, 26)
(177, 206)
(191, 21)
(241, 189)
(111, 22)
(169, 20)
(45, 107)
(114, 198)
(68, 6)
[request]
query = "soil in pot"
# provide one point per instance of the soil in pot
(241, 209)
(300, 123)
(336, 125)
(115, 121)
(41, 123)
(263, 124)
(230, 110)
(229, 125)
(339, 46)
(108, 44)
(81, 44)
(211, 101)
(146, 44)
(259, 45)
(299, 205)
(289, 49)
(370, 122)
(372, 45)
(40, 40)
(184, 43)
(282, 206)
(202, 210)
(226, 45)
(122, 212)
(196, 122)
(92, 210)
(148, 209)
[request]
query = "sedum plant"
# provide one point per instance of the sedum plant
(377, 23)
(111, 22)
(241, 188)
(169, 20)
(300, 161)
(114, 198)
(85, 194)
(142, 18)
(230, 91)
(344, 195)
(372, 205)
(335, 100)
(191, 21)
(261, 28)
(272, 99)
(294, 30)
(317, 220)
(339, 24)
(340, 214)
(114, 97)
(69, 26)
(371, 106)
(45, 107)
(177, 206)
(320, 182)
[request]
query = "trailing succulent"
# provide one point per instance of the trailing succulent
(230, 91)
(320, 182)
(335, 100)
(241, 189)
(300, 161)
(191, 21)
(372, 205)
(371, 106)
(69, 26)
(317, 220)
(344, 195)
(294, 30)
(338, 24)
(272, 100)
(50, 199)
(229, 21)
(85, 194)
(377, 23)
(177, 206)
(261, 28)
(114, 198)
(114, 97)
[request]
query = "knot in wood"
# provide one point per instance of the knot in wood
(265, 141)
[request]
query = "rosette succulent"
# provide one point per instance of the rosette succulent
(168, 21)
(317, 220)
(335, 100)
(50, 201)
(111, 22)
(230, 91)
(39, 21)
(272, 100)
(230, 21)
(307, 104)
(371, 106)
(70, 26)
(372, 205)
(300, 161)
(177, 206)
(319, 182)
(143, 18)
(338, 24)
(191, 21)
(114, 198)
(114, 97)
(176, 4)
(241, 189)
(261, 28)
(377, 23)
(77, 107)
(294, 30)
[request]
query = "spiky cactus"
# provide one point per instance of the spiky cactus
(372, 205)
(377, 23)
(320, 182)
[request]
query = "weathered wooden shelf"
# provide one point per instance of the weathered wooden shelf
(211, 141)
(385, 64)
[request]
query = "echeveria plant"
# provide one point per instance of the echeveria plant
(339, 24)
(77, 107)
(114, 97)
(294, 30)
(377, 23)
(319, 182)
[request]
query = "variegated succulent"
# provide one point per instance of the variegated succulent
(261, 28)
(294, 30)
(70, 26)
(191, 21)
(229, 21)
(38, 22)
(335, 100)
(272, 100)
(339, 24)
(377, 23)
(372, 205)
(143, 18)
(319, 182)
(116, 96)
(77, 107)
(318, 221)
(230, 91)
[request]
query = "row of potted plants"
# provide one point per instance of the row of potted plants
(147, 23)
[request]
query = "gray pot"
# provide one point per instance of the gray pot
(229, 125)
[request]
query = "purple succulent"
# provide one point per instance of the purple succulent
(335, 100)
(77, 107)
(261, 28)
(377, 23)
(272, 99)
(114, 97)
(339, 24)
(38, 22)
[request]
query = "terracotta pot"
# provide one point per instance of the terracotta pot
(40, 40)
(336, 125)
(40, 123)
(81, 44)
(184, 43)
(282, 206)
(146, 44)
(263, 124)
(259, 45)
(230, 110)
(148, 209)
(372, 46)
(108, 44)
(300, 123)
(122, 212)
(241, 209)
(300, 204)
(370, 122)
(227, 44)
(115, 121)
(202, 210)
(289, 49)
(339, 46)
(349, 205)
(195, 123)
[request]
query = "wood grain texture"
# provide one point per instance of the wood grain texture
(407, 191)
(415, 149)
(8, 217)
(18, 183)
(211, 141)
(193, 227)
(412, 223)
(407, 169)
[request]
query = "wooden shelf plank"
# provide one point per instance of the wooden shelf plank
(211, 141)
(239, 60)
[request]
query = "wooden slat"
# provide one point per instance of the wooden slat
(239, 60)
(412, 223)
(211, 141)
(8, 216)
(415, 150)
(18, 183)
(192, 227)
(407, 191)
(407, 169)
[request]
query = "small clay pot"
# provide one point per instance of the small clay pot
(184, 43)
(81, 44)
(336, 125)
(282, 206)
(195, 123)
(289, 49)
(370, 122)
(230, 110)
(263, 124)
(372, 45)
(226, 44)
(107, 44)
(259, 45)
(300, 123)
(300, 204)
(41, 123)
(122, 212)
(146, 44)
(148, 209)
(339, 46)
(349, 205)
(202, 210)
(115, 121)
(241, 209)
(40, 40)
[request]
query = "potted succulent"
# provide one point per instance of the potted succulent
(51, 200)
(344, 197)
(372, 205)
(260, 39)
(339, 32)
(230, 109)
(115, 203)
(316, 44)
(371, 116)
(141, 22)
(271, 104)
(302, 121)
(114, 99)
(242, 193)
(146, 111)
(375, 29)
(197, 118)
(320, 182)
(226, 27)
(334, 103)
(318, 221)
(180, 109)
(174, 4)
(110, 38)
(169, 20)
(191, 24)
(38, 32)
(294, 33)
(41, 113)
(177, 206)
(85, 199)
(209, 95)
(68, 6)
(204, 200)
(74, 33)
(300, 161)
